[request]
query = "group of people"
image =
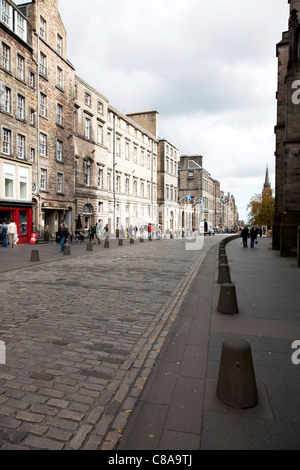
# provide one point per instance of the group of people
(8, 233)
(251, 234)
(95, 232)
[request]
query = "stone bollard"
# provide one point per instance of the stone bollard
(223, 259)
(236, 385)
(120, 242)
(35, 255)
(67, 250)
(224, 274)
(131, 240)
(227, 299)
(106, 243)
(89, 247)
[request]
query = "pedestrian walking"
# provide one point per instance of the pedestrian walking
(106, 232)
(98, 233)
(149, 231)
(253, 237)
(90, 233)
(244, 235)
(63, 236)
(11, 233)
(4, 234)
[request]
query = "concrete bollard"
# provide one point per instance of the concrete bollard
(35, 255)
(106, 243)
(89, 247)
(227, 299)
(236, 385)
(120, 242)
(223, 259)
(224, 274)
(67, 250)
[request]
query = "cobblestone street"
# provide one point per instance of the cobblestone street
(82, 335)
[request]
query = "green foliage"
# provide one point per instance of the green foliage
(262, 209)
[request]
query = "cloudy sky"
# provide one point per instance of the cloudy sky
(208, 67)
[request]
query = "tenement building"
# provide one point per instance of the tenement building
(168, 209)
(115, 164)
(37, 154)
(18, 118)
(229, 219)
(53, 169)
(287, 130)
(199, 193)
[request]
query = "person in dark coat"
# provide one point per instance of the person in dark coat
(253, 236)
(63, 236)
(244, 235)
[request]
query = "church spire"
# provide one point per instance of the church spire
(267, 184)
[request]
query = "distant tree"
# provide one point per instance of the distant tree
(261, 208)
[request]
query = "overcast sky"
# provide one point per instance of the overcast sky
(208, 67)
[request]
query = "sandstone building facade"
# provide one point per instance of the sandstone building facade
(200, 196)
(115, 164)
(287, 130)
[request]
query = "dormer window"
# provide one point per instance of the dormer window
(6, 16)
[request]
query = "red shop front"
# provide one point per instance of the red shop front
(22, 216)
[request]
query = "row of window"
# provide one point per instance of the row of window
(21, 147)
(138, 155)
(21, 68)
(129, 209)
(44, 181)
(171, 167)
(118, 182)
(6, 106)
(119, 123)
